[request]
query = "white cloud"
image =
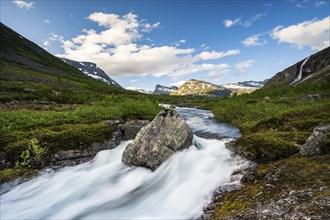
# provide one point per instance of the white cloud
(46, 43)
(253, 40)
(149, 27)
(252, 19)
(242, 66)
(46, 21)
(178, 43)
(23, 4)
(215, 55)
(313, 33)
(245, 23)
(217, 73)
(116, 50)
(320, 3)
(229, 23)
(56, 37)
(178, 83)
(134, 80)
(302, 4)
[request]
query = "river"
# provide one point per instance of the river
(105, 188)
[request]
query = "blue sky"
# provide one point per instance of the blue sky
(144, 43)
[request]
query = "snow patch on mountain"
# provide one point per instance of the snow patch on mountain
(91, 69)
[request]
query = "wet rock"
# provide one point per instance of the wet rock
(240, 150)
(249, 173)
(64, 158)
(158, 141)
(131, 128)
(318, 142)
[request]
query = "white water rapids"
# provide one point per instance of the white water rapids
(105, 188)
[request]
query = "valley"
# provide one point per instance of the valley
(72, 140)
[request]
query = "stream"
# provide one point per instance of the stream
(105, 188)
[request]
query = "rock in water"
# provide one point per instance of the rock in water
(158, 141)
(318, 142)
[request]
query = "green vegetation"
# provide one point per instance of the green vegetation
(273, 129)
(33, 153)
(275, 180)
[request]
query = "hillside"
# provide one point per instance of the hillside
(199, 87)
(48, 106)
(275, 122)
(312, 69)
(92, 70)
(28, 72)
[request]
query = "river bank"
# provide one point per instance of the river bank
(192, 173)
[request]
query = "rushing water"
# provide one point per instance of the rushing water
(105, 188)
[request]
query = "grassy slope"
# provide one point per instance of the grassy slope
(271, 134)
(28, 72)
(70, 107)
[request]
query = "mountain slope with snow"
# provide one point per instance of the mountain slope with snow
(244, 87)
(199, 87)
(91, 69)
(164, 89)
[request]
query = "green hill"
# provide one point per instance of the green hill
(28, 72)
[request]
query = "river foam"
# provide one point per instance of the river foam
(105, 188)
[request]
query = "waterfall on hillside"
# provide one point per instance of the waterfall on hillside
(300, 72)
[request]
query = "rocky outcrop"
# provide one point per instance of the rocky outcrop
(294, 204)
(91, 69)
(131, 128)
(85, 153)
(257, 149)
(159, 90)
(318, 142)
(158, 141)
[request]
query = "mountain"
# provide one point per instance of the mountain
(251, 83)
(312, 69)
(244, 87)
(199, 87)
(91, 69)
(28, 72)
(164, 89)
(138, 90)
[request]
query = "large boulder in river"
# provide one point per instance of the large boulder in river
(158, 141)
(318, 142)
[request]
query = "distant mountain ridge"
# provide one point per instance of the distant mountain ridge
(199, 87)
(251, 83)
(311, 69)
(160, 89)
(244, 87)
(91, 69)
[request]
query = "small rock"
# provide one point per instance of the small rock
(318, 142)
(266, 98)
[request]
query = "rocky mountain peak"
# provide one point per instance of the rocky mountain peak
(91, 69)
